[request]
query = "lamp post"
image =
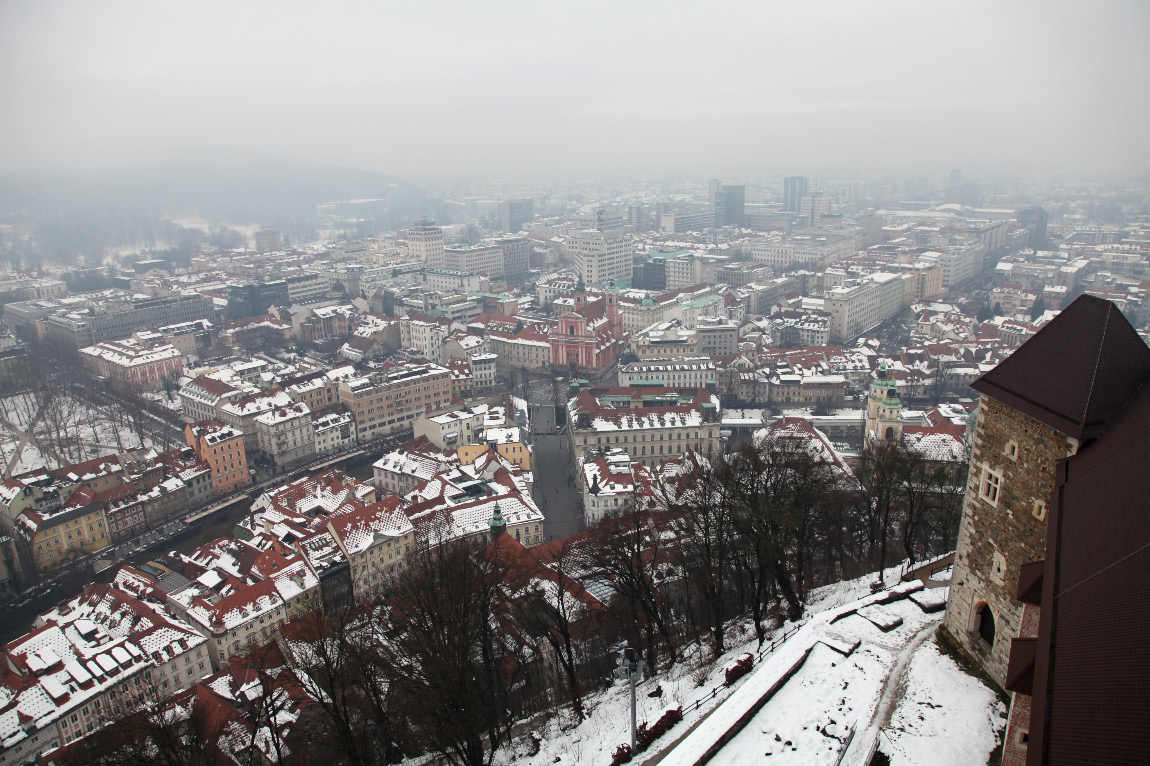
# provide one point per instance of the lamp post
(630, 668)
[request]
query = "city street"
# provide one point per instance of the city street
(555, 491)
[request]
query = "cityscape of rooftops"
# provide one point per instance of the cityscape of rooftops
(530, 384)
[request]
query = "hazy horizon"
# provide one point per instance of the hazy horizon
(426, 92)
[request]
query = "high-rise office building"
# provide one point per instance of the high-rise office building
(514, 214)
(814, 205)
(425, 242)
(268, 240)
(1035, 218)
(516, 255)
(794, 189)
(730, 205)
(601, 255)
(713, 189)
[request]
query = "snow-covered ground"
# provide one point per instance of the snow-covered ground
(86, 432)
(161, 398)
(945, 718)
(810, 716)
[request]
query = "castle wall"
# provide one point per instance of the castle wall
(994, 539)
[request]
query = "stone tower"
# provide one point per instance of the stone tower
(884, 410)
(1057, 391)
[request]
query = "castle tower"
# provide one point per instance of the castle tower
(1058, 390)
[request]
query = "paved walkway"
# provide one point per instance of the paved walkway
(22, 442)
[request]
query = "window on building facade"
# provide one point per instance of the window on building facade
(990, 485)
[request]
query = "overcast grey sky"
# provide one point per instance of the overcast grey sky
(426, 89)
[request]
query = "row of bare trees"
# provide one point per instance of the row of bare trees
(71, 415)
(752, 533)
(470, 639)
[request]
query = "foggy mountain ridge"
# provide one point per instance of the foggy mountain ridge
(67, 217)
(233, 187)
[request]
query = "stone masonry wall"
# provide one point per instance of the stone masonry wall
(995, 539)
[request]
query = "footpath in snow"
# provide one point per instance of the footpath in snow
(852, 668)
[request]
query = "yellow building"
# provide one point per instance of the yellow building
(513, 452)
(60, 537)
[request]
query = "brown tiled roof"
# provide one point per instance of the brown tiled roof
(212, 386)
(1076, 373)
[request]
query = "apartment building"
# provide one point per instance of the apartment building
(386, 402)
(690, 372)
(650, 424)
(189, 338)
(527, 349)
(601, 256)
(516, 254)
(84, 320)
(133, 362)
(286, 434)
(425, 243)
(241, 413)
(960, 261)
(455, 281)
(483, 258)
(374, 540)
(306, 286)
(334, 431)
(676, 223)
(201, 397)
(63, 682)
(793, 252)
(716, 335)
(666, 340)
(405, 467)
(178, 652)
(793, 327)
(611, 482)
(222, 446)
(425, 334)
(855, 309)
(58, 537)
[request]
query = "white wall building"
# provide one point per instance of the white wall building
(600, 256)
(286, 434)
(425, 243)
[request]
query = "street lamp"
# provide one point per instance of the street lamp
(630, 668)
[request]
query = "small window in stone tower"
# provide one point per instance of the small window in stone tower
(999, 571)
(1011, 449)
(1039, 510)
(990, 485)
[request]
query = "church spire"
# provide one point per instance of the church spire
(497, 524)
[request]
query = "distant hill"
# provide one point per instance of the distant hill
(59, 216)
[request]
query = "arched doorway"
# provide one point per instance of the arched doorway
(985, 624)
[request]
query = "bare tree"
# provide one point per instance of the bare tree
(761, 484)
(553, 613)
(942, 381)
(449, 659)
(321, 652)
(180, 730)
(627, 549)
(704, 524)
(880, 475)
